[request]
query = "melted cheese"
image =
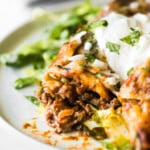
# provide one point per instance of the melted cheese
(119, 27)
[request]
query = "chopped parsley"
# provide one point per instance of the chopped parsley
(113, 47)
(40, 54)
(130, 70)
(146, 69)
(91, 56)
(132, 38)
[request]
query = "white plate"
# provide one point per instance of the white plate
(15, 109)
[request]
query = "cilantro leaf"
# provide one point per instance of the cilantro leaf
(132, 38)
(91, 56)
(34, 54)
(100, 23)
(113, 47)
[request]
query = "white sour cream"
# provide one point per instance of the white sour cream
(87, 46)
(78, 36)
(119, 27)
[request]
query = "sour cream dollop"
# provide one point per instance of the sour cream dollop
(129, 56)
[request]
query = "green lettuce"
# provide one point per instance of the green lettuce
(113, 124)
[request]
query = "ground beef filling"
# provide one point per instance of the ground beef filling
(70, 106)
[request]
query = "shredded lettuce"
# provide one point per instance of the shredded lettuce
(35, 57)
(78, 16)
(21, 83)
(114, 126)
(40, 54)
(120, 143)
(33, 54)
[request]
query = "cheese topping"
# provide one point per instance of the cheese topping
(129, 55)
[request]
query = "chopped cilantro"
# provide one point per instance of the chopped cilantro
(100, 23)
(92, 40)
(59, 31)
(91, 56)
(130, 70)
(113, 47)
(132, 38)
(94, 25)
